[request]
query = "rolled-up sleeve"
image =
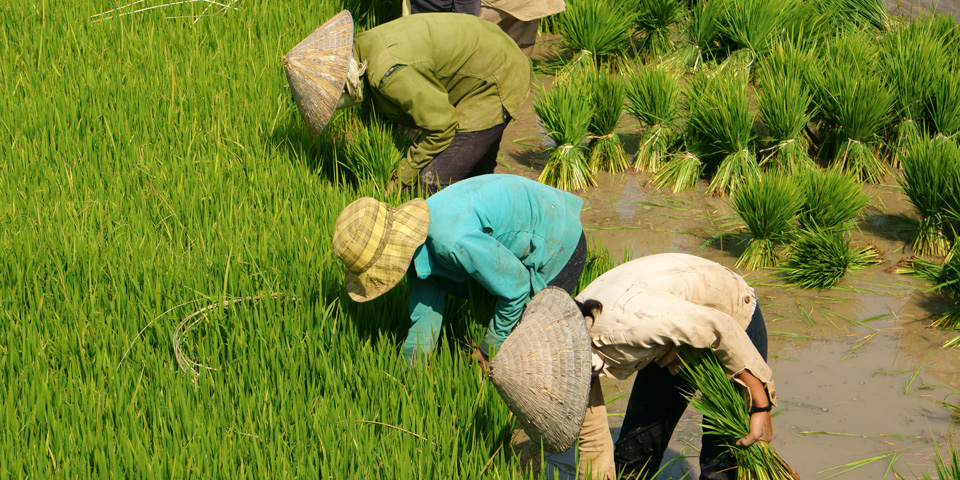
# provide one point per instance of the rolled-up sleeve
(426, 319)
(426, 102)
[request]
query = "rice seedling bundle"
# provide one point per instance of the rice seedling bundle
(375, 151)
(703, 29)
(930, 168)
(595, 27)
(607, 95)
(565, 112)
(785, 103)
(947, 469)
(679, 172)
(768, 205)
(808, 24)
(726, 414)
(948, 283)
(858, 14)
(654, 100)
(941, 107)
(913, 59)
(856, 102)
(832, 200)
(719, 128)
(751, 24)
(820, 259)
(654, 18)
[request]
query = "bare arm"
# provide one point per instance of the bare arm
(761, 427)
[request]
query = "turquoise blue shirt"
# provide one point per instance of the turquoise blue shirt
(510, 234)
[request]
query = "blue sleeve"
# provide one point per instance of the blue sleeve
(426, 318)
(499, 271)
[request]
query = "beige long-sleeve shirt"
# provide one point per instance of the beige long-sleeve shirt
(654, 305)
(526, 10)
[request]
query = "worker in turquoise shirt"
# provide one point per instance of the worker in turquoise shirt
(512, 235)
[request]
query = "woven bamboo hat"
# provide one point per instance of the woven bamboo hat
(317, 69)
(542, 370)
(376, 242)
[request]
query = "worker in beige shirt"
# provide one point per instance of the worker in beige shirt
(520, 19)
(640, 314)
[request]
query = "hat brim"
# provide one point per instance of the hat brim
(317, 68)
(542, 370)
(408, 230)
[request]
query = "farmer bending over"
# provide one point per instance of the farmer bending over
(639, 315)
(455, 77)
(512, 235)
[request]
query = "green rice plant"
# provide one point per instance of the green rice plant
(654, 18)
(808, 24)
(719, 128)
(913, 60)
(789, 58)
(598, 262)
(654, 100)
(681, 171)
(832, 200)
(703, 29)
(375, 151)
(566, 113)
(941, 106)
(785, 105)
(858, 14)
(819, 259)
(751, 24)
(607, 95)
(725, 410)
(600, 28)
(856, 102)
(768, 205)
(929, 170)
(948, 469)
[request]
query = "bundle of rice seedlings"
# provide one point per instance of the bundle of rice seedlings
(912, 59)
(855, 101)
(821, 258)
(808, 24)
(948, 283)
(375, 151)
(680, 172)
(606, 150)
(789, 58)
(832, 200)
(948, 469)
(598, 27)
(719, 128)
(654, 100)
(703, 29)
(725, 411)
(751, 23)
(929, 170)
(654, 18)
(767, 205)
(785, 103)
(565, 113)
(941, 107)
(858, 14)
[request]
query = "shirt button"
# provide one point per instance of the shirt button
(746, 300)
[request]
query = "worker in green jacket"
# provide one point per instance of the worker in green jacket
(454, 77)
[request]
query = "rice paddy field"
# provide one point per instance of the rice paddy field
(170, 306)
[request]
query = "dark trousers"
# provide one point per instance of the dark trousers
(468, 155)
(471, 7)
(656, 405)
(569, 277)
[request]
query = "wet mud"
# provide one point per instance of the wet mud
(859, 374)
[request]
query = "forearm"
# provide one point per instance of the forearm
(758, 391)
(420, 154)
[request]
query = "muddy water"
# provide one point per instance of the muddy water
(858, 373)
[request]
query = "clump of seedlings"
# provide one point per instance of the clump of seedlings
(566, 113)
(654, 100)
(768, 205)
(821, 258)
(751, 24)
(607, 96)
(946, 280)
(680, 172)
(855, 15)
(374, 151)
(719, 128)
(703, 31)
(832, 200)
(785, 105)
(600, 28)
(941, 107)
(654, 18)
(856, 103)
(725, 411)
(930, 170)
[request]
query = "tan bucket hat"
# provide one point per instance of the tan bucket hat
(376, 241)
(317, 69)
(542, 370)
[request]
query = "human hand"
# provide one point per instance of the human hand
(482, 360)
(761, 428)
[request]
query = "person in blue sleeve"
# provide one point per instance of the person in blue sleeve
(511, 235)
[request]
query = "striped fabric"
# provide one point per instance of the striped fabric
(376, 242)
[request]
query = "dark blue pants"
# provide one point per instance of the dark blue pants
(656, 404)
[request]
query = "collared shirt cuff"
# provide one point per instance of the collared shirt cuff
(408, 175)
(490, 344)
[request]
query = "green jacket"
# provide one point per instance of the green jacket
(442, 73)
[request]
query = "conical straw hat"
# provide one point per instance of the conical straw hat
(542, 370)
(317, 69)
